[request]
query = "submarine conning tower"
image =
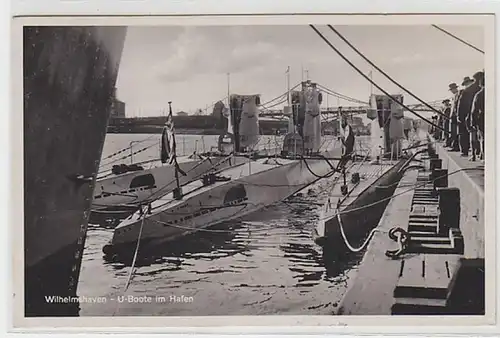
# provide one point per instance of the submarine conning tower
(241, 128)
(389, 129)
(306, 120)
(245, 110)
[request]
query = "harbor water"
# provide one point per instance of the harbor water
(264, 264)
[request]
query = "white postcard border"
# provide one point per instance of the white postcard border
(257, 324)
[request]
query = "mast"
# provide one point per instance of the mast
(228, 91)
(339, 117)
(177, 192)
(371, 82)
(291, 127)
(231, 120)
(288, 85)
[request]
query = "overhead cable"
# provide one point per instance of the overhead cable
(457, 38)
(341, 96)
(372, 82)
(385, 74)
(280, 96)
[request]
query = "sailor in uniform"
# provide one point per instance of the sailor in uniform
(475, 120)
(407, 127)
(446, 125)
(347, 138)
(454, 144)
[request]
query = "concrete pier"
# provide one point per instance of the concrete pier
(442, 269)
(372, 290)
(469, 178)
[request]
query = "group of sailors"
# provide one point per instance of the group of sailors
(461, 124)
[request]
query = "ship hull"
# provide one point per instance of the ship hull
(69, 81)
(252, 187)
(362, 214)
(116, 197)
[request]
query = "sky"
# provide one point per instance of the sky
(188, 65)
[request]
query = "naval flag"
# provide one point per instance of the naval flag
(168, 150)
(165, 143)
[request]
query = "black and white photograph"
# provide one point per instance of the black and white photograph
(302, 169)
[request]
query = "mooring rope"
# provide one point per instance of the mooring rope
(127, 148)
(204, 229)
(151, 198)
(132, 267)
(125, 157)
(402, 193)
(346, 241)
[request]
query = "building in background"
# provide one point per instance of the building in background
(117, 107)
(358, 126)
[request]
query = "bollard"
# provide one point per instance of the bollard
(440, 178)
(449, 206)
(457, 241)
(355, 178)
(436, 163)
(212, 178)
(431, 151)
(177, 193)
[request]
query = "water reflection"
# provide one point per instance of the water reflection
(222, 240)
(281, 234)
(265, 263)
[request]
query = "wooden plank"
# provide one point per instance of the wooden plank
(429, 248)
(425, 198)
(423, 221)
(432, 240)
(441, 269)
(427, 276)
(423, 217)
(422, 227)
(413, 310)
(422, 302)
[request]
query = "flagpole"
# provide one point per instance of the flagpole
(230, 120)
(371, 83)
(228, 90)
(291, 127)
(288, 85)
(178, 194)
